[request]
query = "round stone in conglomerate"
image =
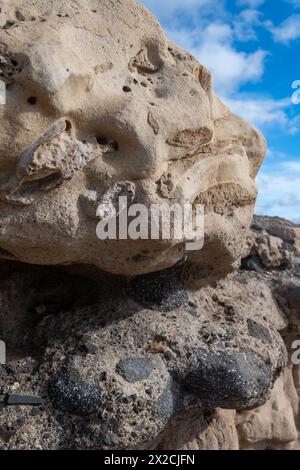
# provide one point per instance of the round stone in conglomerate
(134, 369)
(69, 394)
(228, 379)
(258, 331)
(161, 290)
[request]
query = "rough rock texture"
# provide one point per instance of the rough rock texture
(272, 243)
(101, 104)
(146, 363)
(275, 424)
(122, 348)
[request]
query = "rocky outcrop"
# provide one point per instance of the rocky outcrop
(275, 424)
(115, 346)
(100, 104)
(145, 362)
(272, 243)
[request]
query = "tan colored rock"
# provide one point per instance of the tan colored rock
(271, 251)
(101, 104)
(284, 229)
(272, 426)
(289, 292)
(195, 430)
(280, 240)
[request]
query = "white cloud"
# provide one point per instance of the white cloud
(279, 190)
(273, 153)
(287, 31)
(213, 47)
(292, 166)
(245, 23)
(231, 68)
(260, 111)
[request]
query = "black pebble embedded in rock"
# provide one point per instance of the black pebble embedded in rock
(69, 394)
(90, 347)
(258, 331)
(134, 369)
(3, 372)
(229, 379)
(110, 439)
(159, 291)
(103, 376)
(108, 436)
(35, 412)
(129, 399)
(252, 263)
(168, 355)
(166, 403)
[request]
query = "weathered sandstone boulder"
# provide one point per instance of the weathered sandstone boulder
(274, 425)
(101, 104)
(123, 353)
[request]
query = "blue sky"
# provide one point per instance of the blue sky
(252, 48)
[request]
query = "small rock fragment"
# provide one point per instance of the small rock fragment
(134, 369)
(258, 331)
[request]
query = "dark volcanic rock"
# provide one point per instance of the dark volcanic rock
(124, 366)
(163, 290)
(258, 331)
(229, 379)
(135, 369)
(168, 402)
(69, 394)
(252, 263)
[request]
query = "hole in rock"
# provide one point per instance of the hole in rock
(9, 24)
(126, 89)
(32, 100)
(102, 141)
(68, 126)
(112, 143)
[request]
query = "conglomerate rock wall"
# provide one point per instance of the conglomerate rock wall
(134, 343)
(146, 363)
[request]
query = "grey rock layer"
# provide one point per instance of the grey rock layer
(118, 371)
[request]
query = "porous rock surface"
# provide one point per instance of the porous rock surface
(124, 362)
(101, 104)
(275, 424)
(122, 348)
